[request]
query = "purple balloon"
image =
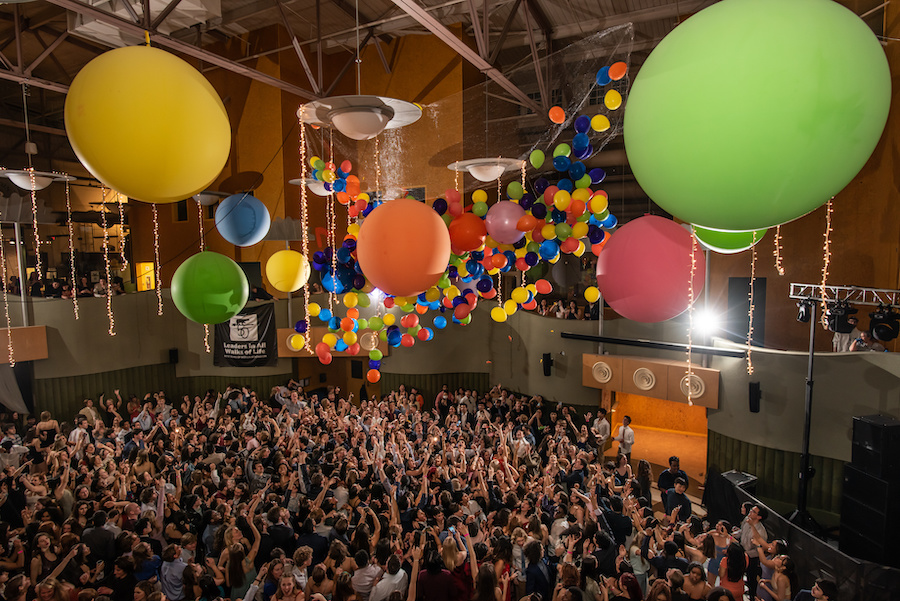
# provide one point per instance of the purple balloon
(585, 152)
(501, 220)
(541, 184)
(440, 205)
(597, 175)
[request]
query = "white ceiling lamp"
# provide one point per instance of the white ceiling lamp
(359, 117)
(207, 198)
(42, 179)
(315, 186)
(487, 169)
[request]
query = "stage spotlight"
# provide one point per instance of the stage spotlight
(707, 322)
(884, 324)
(804, 312)
(838, 315)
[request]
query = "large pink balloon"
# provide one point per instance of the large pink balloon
(644, 270)
(501, 220)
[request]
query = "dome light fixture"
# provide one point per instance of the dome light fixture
(42, 179)
(486, 169)
(360, 117)
(207, 198)
(315, 186)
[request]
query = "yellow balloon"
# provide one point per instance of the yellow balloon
(296, 342)
(362, 196)
(399, 301)
(612, 100)
(561, 200)
(313, 160)
(599, 203)
(581, 248)
(591, 294)
(330, 339)
(479, 196)
(493, 271)
(349, 338)
(510, 306)
(353, 229)
(548, 231)
(580, 229)
(531, 288)
(521, 252)
(351, 300)
(389, 319)
(498, 314)
(314, 309)
(328, 176)
(520, 295)
(582, 194)
(600, 123)
(147, 124)
(432, 294)
(287, 270)
(451, 292)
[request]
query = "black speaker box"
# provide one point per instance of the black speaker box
(755, 396)
(876, 446)
(547, 363)
(870, 517)
(173, 356)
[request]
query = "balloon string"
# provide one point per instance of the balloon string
(146, 38)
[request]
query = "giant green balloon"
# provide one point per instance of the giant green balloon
(754, 112)
(209, 288)
(728, 243)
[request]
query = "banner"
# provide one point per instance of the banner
(247, 339)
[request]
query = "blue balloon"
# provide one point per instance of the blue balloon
(603, 77)
(558, 216)
(440, 322)
(439, 205)
(339, 185)
(343, 255)
(520, 243)
(561, 163)
(301, 326)
(334, 323)
(597, 175)
(478, 255)
(531, 258)
(576, 170)
(394, 338)
(458, 300)
(510, 257)
(610, 221)
(580, 141)
(349, 244)
(452, 272)
(596, 236)
(374, 364)
(582, 123)
(429, 334)
(325, 314)
(242, 219)
(584, 153)
(340, 346)
(318, 257)
(484, 285)
(541, 184)
(328, 186)
(549, 249)
(539, 210)
(565, 184)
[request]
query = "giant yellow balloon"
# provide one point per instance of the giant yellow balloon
(287, 270)
(147, 124)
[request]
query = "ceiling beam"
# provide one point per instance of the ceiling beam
(447, 36)
(49, 49)
(34, 81)
(509, 21)
(164, 14)
(183, 47)
(351, 11)
(39, 128)
(296, 44)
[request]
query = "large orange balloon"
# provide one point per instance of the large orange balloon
(467, 232)
(403, 247)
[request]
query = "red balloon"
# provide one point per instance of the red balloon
(467, 232)
(461, 311)
(576, 208)
(530, 305)
(373, 375)
(569, 245)
(536, 234)
(388, 302)
(471, 298)
(409, 320)
(489, 294)
(522, 264)
(543, 287)
(644, 271)
(452, 196)
(325, 358)
(499, 261)
(346, 166)
(455, 209)
(353, 349)
(322, 348)
(447, 302)
(422, 335)
(549, 193)
(407, 340)
(403, 247)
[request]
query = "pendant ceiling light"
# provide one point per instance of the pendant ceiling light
(487, 169)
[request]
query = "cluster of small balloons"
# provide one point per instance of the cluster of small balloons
(344, 185)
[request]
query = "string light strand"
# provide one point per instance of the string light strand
(826, 260)
(38, 267)
(71, 251)
(304, 235)
(779, 266)
(12, 356)
(750, 311)
(690, 333)
(103, 222)
(122, 257)
(156, 265)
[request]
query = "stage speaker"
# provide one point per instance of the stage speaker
(755, 396)
(173, 356)
(876, 446)
(547, 363)
(870, 517)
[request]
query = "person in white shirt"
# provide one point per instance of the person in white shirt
(601, 428)
(625, 438)
(393, 580)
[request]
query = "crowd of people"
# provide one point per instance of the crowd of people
(61, 288)
(312, 497)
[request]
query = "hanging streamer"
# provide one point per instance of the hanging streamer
(690, 336)
(826, 261)
(12, 357)
(156, 266)
(122, 257)
(202, 248)
(304, 220)
(71, 251)
(38, 268)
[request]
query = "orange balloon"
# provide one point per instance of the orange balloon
(403, 247)
(499, 260)
(617, 71)
(421, 309)
(353, 313)
(557, 114)
(343, 198)
(353, 188)
(467, 231)
(526, 222)
(373, 375)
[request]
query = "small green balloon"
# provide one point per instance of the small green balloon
(480, 208)
(447, 218)
(408, 308)
(562, 150)
(376, 323)
(583, 182)
(711, 151)
(563, 231)
(209, 288)
(383, 335)
(466, 320)
(728, 243)
(537, 158)
(583, 217)
(443, 282)
(514, 190)
(603, 214)
(375, 354)
(319, 165)
(413, 330)
(362, 299)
